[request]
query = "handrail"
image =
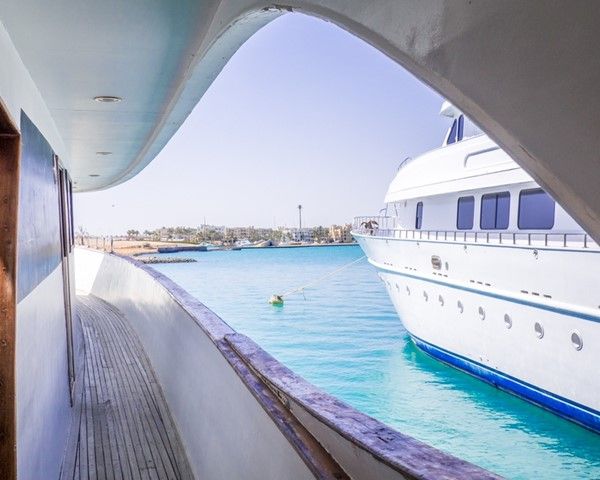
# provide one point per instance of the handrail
(385, 228)
(404, 162)
(479, 152)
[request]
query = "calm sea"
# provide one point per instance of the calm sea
(344, 336)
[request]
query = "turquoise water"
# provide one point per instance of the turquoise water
(346, 338)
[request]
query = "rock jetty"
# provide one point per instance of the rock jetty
(153, 260)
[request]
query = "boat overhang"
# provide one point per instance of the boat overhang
(149, 57)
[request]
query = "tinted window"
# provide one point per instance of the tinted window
(536, 210)
(466, 210)
(452, 135)
(461, 122)
(419, 216)
(495, 211)
(488, 212)
(502, 210)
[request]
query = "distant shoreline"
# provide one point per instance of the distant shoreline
(250, 247)
(133, 248)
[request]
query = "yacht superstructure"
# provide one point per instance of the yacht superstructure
(489, 274)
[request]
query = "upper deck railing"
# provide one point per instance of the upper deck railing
(386, 227)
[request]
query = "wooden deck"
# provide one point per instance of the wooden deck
(124, 429)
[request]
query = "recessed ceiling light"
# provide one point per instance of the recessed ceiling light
(103, 153)
(94, 175)
(107, 99)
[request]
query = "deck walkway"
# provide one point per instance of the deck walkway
(125, 430)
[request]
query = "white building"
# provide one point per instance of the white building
(305, 235)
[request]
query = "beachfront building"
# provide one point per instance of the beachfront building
(236, 232)
(305, 235)
(341, 233)
(263, 233)
(218, 229)
(250, 233)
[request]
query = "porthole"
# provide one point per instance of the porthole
(481, 313)
(460, 306)
(576, 340)
(425, 296)
(507, 320)
(407, 290)
(441, 300)
(539, 330)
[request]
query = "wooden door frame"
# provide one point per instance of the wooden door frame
(9, 200)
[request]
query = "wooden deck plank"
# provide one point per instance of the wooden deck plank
(122, 439)
(131, 400)
(113, 463)
(126, 394)
(159, 432)
(144, 423)
(124, 429)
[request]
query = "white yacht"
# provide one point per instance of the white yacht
(489, 274)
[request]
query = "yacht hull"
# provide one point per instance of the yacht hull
(521, 343)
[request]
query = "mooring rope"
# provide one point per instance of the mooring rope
(321, 278)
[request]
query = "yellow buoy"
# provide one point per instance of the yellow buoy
(276, 300)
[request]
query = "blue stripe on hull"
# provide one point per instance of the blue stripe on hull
(561, 406)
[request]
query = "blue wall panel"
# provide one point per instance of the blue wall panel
(39, 250)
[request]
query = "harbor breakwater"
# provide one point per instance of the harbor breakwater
(157, 260)
(182, 248)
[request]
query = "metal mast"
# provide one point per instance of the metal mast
(300, 221)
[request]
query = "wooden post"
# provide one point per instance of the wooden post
(9, 194)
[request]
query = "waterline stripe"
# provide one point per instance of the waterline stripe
(561, 406)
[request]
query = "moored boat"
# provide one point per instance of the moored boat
(489, 274)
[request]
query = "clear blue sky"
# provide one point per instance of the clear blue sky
(303, 113)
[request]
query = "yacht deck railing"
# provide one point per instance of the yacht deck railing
(385, 227)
